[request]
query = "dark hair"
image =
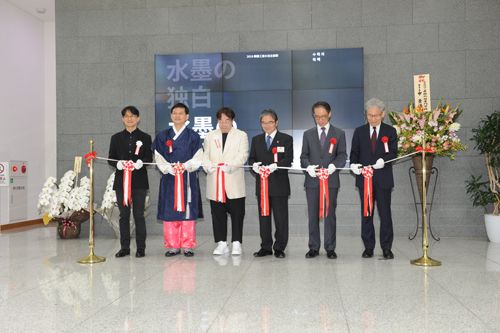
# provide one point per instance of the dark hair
(227, 111)
(321, 104)
(132, 110)
(180, 105)
(269, 112)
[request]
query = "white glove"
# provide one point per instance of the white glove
(138, 164)
(119, 165)
(273, 167)
(311, 170)
(211, 169)
(188, 166)
(331, 168)
(379, 164)
(356, 168)
(168, 169)
(256, 167)
(226, 168)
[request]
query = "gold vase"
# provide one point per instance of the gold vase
(417, 164)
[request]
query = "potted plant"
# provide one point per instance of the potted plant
(66, 204)
(487, 139)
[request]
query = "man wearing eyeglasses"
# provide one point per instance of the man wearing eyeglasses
(131, 145)
(323, 147)
(270, 150)
(372, 145)
(224, 149)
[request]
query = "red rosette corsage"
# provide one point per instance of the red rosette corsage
(333, 141)
(169, 145)
(275, 152)
(386, 146)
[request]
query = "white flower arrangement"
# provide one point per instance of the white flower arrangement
(109, 199)
(59, 200)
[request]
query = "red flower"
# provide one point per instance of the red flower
(275, 150)
(333, 141)
(385, 139)
(169, 143)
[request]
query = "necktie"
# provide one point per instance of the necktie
(374, 138)
(322, 138)
(269, 140)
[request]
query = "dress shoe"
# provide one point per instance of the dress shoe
(263, 253)
(367, 253)
(331, 254)
(172, 252)
(312, 254)
(188, 252)
(140, 253)
(388, 254)
(279, 254)
(122, 253)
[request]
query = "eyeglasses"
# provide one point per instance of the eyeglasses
(320, 117)
(374, 115)
(268, 123)
(130, 116)
(225, 122)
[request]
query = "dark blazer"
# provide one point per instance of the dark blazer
(279, 184)
(312, 154)
(361, 152)
(118, 150)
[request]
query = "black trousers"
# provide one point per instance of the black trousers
(278, 207)
(330, 231)
(236, 209)
(138, 202)
(382, 199)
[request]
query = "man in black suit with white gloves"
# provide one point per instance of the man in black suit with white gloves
(268, 151)
(372, 145)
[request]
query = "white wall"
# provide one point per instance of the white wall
(50, 100)
(26, 103)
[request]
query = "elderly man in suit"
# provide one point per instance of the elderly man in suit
(323, 146)
(270, 150)
(223, 149)
(131, 146)
(372, 145)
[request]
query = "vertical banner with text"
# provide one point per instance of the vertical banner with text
(422, 91)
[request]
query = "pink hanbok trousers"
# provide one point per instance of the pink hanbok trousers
(179, 234)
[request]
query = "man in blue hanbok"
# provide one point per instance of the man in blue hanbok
(178, 152)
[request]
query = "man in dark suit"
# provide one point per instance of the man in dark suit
(270, 150)
(372, 145)
(131, 145)
(323, 146)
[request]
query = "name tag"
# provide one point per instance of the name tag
(281, 149)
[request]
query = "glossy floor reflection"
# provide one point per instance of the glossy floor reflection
(44, 289)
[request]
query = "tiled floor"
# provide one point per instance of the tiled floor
(44, 289)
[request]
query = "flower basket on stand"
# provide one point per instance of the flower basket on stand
(437, 128)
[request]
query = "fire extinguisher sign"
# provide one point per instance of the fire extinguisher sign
(4, 173)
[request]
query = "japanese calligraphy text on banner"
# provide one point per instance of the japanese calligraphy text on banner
(422, 91)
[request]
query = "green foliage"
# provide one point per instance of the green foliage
(480, 192)
(487, 137)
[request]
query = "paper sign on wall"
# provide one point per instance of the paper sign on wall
(4, 173)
